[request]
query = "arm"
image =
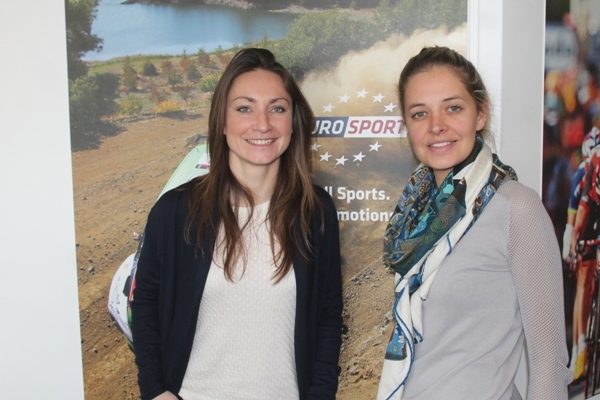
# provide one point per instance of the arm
(536, 266)
(582, 209)
(325, 369)
(145, 326)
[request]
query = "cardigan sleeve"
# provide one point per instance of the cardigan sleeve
(325, 369)
(536, 266)
(145, 323)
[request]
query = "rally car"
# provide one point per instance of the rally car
(196, 163)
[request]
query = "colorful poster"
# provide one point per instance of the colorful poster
(571, 174)
(141, 78)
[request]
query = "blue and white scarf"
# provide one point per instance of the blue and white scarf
(426, 225)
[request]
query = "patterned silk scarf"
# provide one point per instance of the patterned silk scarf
(426, 225)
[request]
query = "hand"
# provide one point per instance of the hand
(166, 396)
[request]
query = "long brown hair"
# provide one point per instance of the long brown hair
(294, 201)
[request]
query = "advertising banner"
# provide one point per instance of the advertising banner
(570, 188)
(141, 76)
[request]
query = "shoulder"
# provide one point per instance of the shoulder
(528, 216)
(321, 193)
(325, 200)
(522, 199)
(171, 203)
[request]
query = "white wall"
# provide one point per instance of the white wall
(40, 354)
(506, 43)
(40, 351)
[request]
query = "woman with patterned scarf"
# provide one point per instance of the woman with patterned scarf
(477, 265)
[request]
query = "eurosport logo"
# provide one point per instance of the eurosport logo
(359, 127)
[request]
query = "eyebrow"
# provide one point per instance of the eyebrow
(252, 99)
(447, 99)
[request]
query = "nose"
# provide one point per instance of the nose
(262, 123)
(437, 124)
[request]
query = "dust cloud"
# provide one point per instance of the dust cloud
(376, 70)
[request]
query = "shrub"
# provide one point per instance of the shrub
(209, 83)
(131, 106)
(166, 68)
(185, 62)
(202, 57)
(174, 78)
(192, 73)
(129, 76)
(158, 95)
(168, 106)
(149, 69)
(90, 98)
(184, 92)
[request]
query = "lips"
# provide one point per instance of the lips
(260, 142)
(440, 144)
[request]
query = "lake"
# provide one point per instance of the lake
(132, 29)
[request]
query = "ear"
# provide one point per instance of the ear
(482, 117)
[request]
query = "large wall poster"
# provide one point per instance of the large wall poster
(570, 174)
(140, 104)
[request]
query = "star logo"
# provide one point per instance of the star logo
(341, 160)
(328, 108)
(390, 107)
(358, 157)
(375, 147)
(315, 146)
(362, 94)
(344, 98)
(378, 98)
(325, 157)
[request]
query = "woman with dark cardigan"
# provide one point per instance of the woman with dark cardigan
(238, 284)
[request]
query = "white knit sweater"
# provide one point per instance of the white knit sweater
(244, 343)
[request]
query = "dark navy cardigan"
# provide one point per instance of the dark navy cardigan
(170, 280)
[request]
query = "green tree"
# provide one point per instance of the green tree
(149, 69)
(174, 78)
(157, 95)
(185, 62)
(129, 76)
(219, 51)
(185, 92)
(318, 40)
(192, 73)
(202, 57)
(166, 68)
(407, 15)
(79, 15)
(91, 97)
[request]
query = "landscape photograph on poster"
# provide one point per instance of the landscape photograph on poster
(141, 78)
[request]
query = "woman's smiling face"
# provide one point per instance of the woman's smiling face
(442, 119)
(258, 123)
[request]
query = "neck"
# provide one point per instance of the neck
(261, 183)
